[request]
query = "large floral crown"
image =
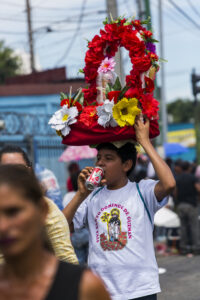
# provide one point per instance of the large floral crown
(106, 111)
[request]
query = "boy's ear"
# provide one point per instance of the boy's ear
(127, 165)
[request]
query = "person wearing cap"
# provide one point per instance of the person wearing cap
(124, 256)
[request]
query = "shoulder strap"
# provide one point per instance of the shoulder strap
(146, 208)
(96, 192)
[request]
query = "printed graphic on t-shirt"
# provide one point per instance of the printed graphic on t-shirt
(113, 238)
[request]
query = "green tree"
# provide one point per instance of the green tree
(9, 63)
(182, 110)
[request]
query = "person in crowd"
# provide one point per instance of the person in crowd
(50, 184)
(30, 271)
(178, 167)
(140, 171)
(80, 237)
(57, 229)
(127, 261)
(187, 187)
(73, 168)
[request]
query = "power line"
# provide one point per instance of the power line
(173, 18)
(193, 8)
(55, 43)
(184, 14)
(8, 3)
(12, 32)
(75, 33)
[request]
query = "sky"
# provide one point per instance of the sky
(62, 27)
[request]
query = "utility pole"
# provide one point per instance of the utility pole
(30, 36)
(112, 11)
(144, 13)
(162, 88)
(196, 90)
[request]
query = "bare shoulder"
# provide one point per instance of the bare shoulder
(92, 287)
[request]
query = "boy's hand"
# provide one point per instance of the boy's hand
(85, 173)
(142, 130)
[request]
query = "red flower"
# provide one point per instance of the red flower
(67, 101)
(149, 85)
(149, 106)
(146, 33)
(94, 57)
(89, 95)
(90, 73)
(153, 56)
(132, 93)
(142, 64)
(131, 42)
(137, 25)
(64, 102)
(97, 43)
(88, 115)
(134, 79)
(113, 95)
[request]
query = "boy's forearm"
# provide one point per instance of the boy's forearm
(70, 210)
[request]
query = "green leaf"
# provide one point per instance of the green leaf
(63, 96)
(153, 41)
(127, 23)
(93, 103)
(162, 60)
(146, 21)
(117, 86)
(106, 21)
(108, 88)
(80, 71)
(123, 91)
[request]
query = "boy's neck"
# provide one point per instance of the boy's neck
(118, 185)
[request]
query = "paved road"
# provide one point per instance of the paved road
(182, 279)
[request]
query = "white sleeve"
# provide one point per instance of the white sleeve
(147, 187)
(80, 217)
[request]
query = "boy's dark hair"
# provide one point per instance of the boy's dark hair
(15, 149)
(126, 152)
(22, 179)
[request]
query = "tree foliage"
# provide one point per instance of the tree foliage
(9, 63)
(182, 110)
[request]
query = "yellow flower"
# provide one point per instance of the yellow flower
(125, 111)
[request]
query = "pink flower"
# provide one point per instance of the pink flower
(108, 64)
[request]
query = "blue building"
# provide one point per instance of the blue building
(26, 106)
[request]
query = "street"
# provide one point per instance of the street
(182, 279)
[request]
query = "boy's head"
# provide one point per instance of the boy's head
(126, 153)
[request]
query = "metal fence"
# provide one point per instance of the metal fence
(32, 133)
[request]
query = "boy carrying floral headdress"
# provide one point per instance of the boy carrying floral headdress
(120, 213)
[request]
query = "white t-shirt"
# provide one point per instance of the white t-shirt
(121, 247)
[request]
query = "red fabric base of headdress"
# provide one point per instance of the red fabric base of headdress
(96, 134)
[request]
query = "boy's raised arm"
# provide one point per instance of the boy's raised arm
(82, 193)
(166, 183)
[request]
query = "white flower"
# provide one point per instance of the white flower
(63, 118)
(104, 113)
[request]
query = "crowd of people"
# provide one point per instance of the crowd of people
(108, 232)
(38, 259)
